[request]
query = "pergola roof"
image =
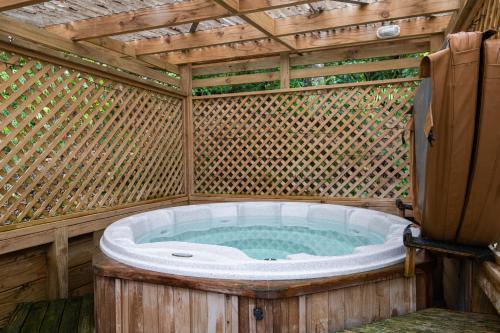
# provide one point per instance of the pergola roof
(166, 33)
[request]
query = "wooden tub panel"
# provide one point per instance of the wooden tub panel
(132, 306)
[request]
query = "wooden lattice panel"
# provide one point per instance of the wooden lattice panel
(72, 141)
(338, 142)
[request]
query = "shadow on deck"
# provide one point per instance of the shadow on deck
(62, 315)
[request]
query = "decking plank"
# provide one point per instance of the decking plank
(18, 317)
(53, 316)
(35, 317)
(86, 319)
(436, 321)
(69, 322)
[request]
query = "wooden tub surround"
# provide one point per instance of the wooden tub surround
(130, 299)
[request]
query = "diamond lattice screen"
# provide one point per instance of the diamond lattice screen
(339, 142)
(73, 142)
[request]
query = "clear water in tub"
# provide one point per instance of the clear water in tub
(270, 237)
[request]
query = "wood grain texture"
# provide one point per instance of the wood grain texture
(332, 142)
(94, 146)
(153, 307)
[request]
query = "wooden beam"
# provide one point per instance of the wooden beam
(141, 19)
(368, 34)
(128, 52)
(288, 27)
(47, 39)
(230, 51)
(409, 29)
(284, 70)
(13, 4)
(380, 11)
(236, 66)
(57, 265)
(390, 48)
(259, 20)
(375, 66)
(219, 36)
(248, 6)
(366, 67)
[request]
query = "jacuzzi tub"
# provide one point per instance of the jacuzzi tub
(119, 242)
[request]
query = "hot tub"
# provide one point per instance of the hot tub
(253, 266)
(272, 240)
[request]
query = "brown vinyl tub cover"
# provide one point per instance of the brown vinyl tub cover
(456, 142)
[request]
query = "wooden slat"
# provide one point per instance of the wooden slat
(70, 316)
(212, 37)
(409, 29)
(318, 57)
(141, 19)
(13, 28)
(19, 316)
(35, 317)
(375, 12)
(332, 19)
(53, 316)
(311, 72)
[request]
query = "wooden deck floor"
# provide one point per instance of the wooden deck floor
(435, 321)
(76, 315)
(63, 315)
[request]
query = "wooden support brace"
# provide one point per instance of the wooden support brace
(57, 265)
(284, 70)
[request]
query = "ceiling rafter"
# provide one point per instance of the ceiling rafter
(259, 20)
(141, 19)
(409, 29)
(332, 19)
(44, 38)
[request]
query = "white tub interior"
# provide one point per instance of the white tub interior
(221, 262)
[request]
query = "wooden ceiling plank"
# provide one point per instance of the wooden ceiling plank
(141, 19)
(259, 20)
(13, 4)
(126, 51)
(335, 19)
(230, 51)
(232, 34)
(249, 6)
(409, 29)
(384, 10)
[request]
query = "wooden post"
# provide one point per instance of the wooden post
(436, 41)
(57, 265)
(96, 239)
(284, 70)
(187, 88)
(410, 262)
